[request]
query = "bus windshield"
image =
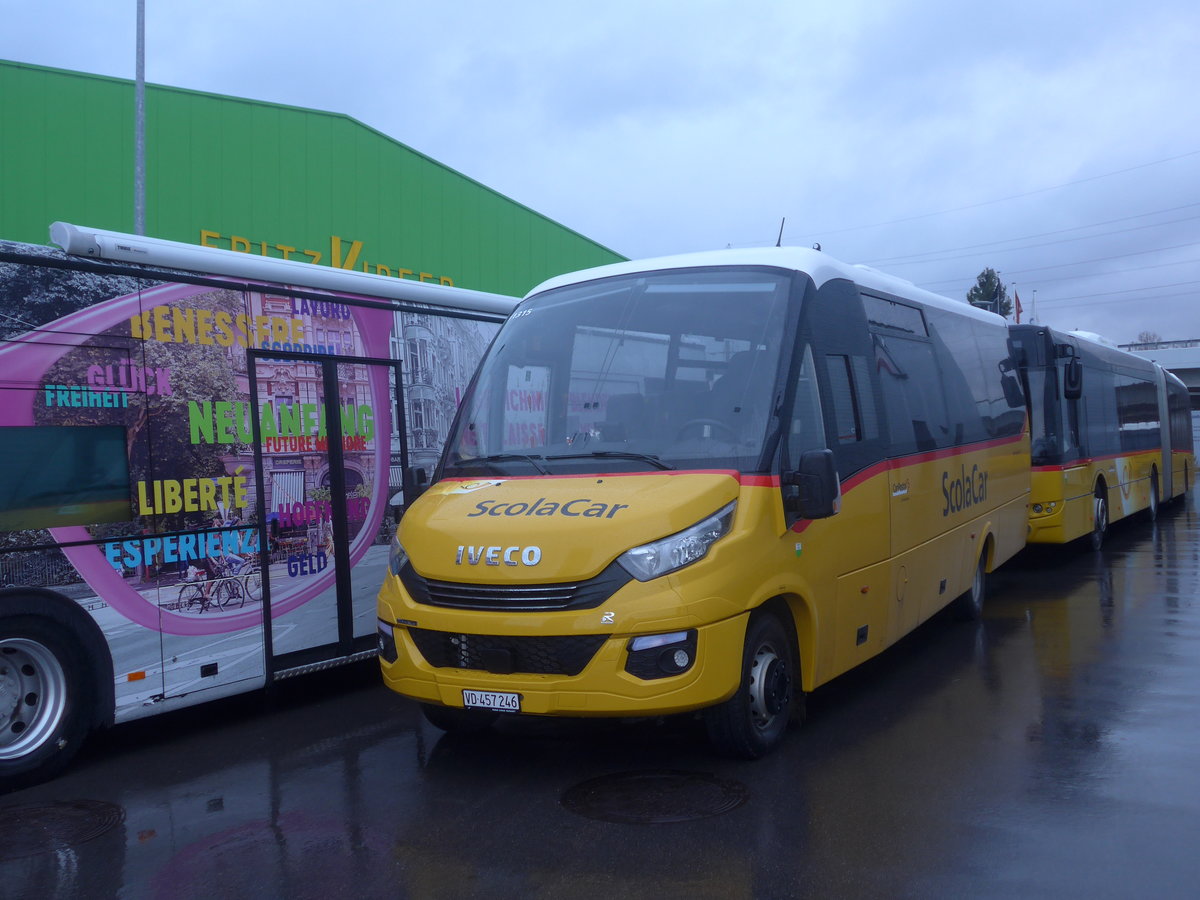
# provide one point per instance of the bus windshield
(666, 370)
(1046, 431)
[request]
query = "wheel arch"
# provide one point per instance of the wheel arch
(797, 617)
(67, 614)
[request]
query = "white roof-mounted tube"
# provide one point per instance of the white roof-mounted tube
(95, 243)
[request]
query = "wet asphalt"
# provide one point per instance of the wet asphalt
(1051, 750)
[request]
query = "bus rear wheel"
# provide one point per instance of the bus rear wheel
(1152, 509)
(968, 606)
(43, 716)
(753, 721)
(1099, 517)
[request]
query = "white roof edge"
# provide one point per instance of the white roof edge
(820, 266)
(1095, 339)
(96, 243)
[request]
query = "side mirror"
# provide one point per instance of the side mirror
(1073, 379)
(1013, 394)
(817, 478)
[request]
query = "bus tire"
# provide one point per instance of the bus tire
(753, 721)
(1152, 508)
(44, 699)
(458, 721)
(1099, 516)
(968, 606)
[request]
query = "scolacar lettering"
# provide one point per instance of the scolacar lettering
(968, 489)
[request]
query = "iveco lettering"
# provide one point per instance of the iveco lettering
(616, 522)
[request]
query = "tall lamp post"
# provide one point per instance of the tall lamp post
(139, 126)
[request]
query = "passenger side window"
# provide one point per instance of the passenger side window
(853, 400)
(917, 418)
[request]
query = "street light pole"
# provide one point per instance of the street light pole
(139, 126)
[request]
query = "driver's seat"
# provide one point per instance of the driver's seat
(742, 390)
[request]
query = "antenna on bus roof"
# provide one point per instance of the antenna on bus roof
(779, 240)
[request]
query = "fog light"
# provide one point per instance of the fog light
(653, 656)
(387, 642)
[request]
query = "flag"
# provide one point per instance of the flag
(1017, 306)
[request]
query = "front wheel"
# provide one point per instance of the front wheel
(1152, 509)
(43, 715)
(752, 722)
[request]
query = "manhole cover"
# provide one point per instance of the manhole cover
(654, 797)
(46, 827)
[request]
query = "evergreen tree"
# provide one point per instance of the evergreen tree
(990, 293)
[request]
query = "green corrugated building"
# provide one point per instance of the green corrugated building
(262, 178)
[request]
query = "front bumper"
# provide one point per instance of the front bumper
(601, 688)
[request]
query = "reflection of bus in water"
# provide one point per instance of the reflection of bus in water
(1111, 434)
(198, 469)
(708, 482)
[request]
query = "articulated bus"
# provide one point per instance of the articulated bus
(1111, 434)
(710, 482)
(200, 475)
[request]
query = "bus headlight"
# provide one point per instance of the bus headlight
(678, 550)
(397, 556)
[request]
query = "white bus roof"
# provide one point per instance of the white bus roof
(818, 265)
(96, 243)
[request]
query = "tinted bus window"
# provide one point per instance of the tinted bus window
(52, 476)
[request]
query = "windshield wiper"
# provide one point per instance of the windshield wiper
(535, 461)
(616, 454)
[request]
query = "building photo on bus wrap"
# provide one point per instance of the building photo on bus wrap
(769, 432)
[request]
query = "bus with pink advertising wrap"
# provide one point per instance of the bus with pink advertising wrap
(202, 468)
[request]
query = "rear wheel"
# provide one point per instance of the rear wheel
(753, 721)
(1099, 516)
(969, 605)
(1152, 509)
(43, 702)
(458, 721)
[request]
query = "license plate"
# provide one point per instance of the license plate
(492, 700)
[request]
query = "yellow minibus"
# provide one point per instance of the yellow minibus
(708, 482)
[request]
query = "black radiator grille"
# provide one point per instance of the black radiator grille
(515, 597)
(506, 654)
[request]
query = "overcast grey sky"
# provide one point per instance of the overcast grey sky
(1058, 142)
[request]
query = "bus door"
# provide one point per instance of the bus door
(323, 463)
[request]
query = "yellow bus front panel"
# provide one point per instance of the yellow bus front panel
(848, 597)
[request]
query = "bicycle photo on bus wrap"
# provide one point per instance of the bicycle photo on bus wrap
(221, 581)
